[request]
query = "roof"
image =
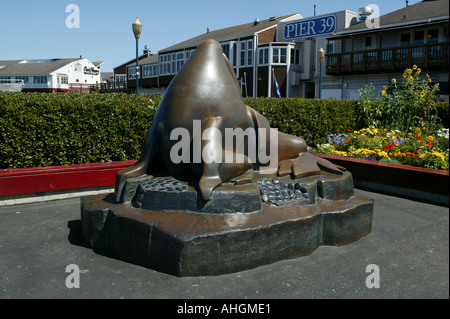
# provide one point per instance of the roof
(35, 66)
(425, 11)
(150, 59)
(234, 32)
(98, 63)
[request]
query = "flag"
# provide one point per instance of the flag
(276, 89)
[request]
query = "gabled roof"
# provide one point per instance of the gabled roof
(148, 60)
(235, 32)
(35, 66)
(423, 12)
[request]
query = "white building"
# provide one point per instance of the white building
(49, 75)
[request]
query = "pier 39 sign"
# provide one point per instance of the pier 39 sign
(310, 27)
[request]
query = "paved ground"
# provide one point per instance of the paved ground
(409, 243)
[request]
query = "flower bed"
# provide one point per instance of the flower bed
(421, 148)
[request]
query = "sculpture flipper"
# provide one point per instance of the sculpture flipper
(211, 157)
(307, 164)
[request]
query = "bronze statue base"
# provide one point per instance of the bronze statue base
(323, 211)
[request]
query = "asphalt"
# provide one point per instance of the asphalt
(409, 246)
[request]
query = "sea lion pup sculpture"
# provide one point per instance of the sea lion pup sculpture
(206, 90)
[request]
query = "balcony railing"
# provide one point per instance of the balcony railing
(390, 59)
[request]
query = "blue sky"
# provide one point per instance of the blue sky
(37, 29)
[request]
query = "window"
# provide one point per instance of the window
(25, 79)
(226, 50)
(180, 60)
(250, 52)
(331, 47)
(64, 79)
(246, 56)
(279, 55)
(172, 71)
(132, 73)
(145, 71)
(166, 64)
(5, 79)
(263, 56)
(149, 71)
(234, 57)
(40, 79)
(368, 41)
(243, 53)
(404, 39)
(419, 37)
(295, 56)
(433, 36)
(120, 77)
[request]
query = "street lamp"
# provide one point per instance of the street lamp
(137, 29)
(321, 56)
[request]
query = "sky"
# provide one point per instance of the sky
(101, 30)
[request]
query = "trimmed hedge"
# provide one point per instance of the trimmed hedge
(313, 119)
(41, 129)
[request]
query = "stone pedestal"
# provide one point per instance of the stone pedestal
(243, 226)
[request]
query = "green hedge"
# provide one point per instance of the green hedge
(41, 129)
(313, 119)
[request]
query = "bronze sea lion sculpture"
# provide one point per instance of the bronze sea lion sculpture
(206, 90)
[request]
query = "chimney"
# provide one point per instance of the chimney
(407, 3)
(314, 10)
(207, 30)
(256, 22)
(147, 51)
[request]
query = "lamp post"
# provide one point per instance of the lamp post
(137, 29)
(321, 56)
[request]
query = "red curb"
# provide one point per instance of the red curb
(57, 178)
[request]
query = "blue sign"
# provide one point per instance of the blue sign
(311, 27)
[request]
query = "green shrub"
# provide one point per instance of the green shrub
(313, 119)
(41, 129)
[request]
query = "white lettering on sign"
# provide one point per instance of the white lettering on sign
(307, 28)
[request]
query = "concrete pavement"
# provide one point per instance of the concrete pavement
(409, 245)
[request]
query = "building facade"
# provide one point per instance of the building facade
(380, 50)
(239, 43)
(286, 48)
(49, 75)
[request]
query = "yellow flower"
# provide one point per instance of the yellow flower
(409, 71)
(414, 67)
(392, 133)
(419, 70)
(427, 75)
(430, 138)
(383, 93)
(394, 80)
(383, 154)
(442, 157)
(411, 78)
(405, 75)
(422, 94)
(384, 87)
(429, 80)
